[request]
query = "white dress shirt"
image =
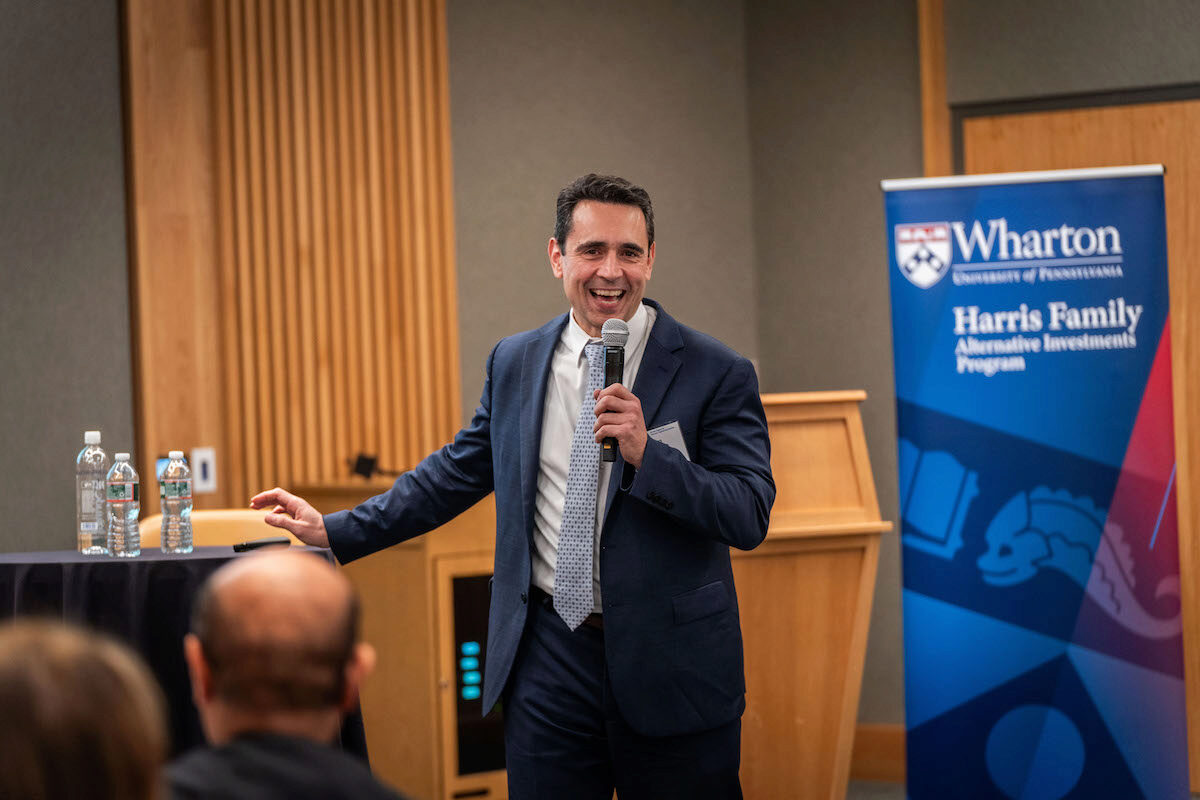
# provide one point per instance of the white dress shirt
(564, 396)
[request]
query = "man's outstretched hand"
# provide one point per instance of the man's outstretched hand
(293, 514)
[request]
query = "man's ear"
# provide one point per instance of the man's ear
(198, 670)
(556, 257)
(360, 665)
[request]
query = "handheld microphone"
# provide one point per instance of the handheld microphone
(615, 334)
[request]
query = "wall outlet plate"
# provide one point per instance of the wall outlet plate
(204, 470)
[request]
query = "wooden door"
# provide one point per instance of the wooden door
(1147, 133)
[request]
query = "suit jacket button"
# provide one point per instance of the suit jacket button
(524, 597)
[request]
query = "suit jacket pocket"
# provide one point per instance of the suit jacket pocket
(712, 598)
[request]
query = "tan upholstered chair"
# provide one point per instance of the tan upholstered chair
(225, 526)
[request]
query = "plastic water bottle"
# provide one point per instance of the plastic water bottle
(175, 496)
(91, 467)
(124, 540)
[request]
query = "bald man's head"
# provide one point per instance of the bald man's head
(277, 631)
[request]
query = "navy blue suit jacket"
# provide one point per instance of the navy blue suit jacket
(672, 636)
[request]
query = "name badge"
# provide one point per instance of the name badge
(670, 435)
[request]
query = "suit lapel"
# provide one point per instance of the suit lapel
(659, 365)
(535, 371)
(660, 362)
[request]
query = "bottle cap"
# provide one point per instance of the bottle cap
(175, 455)
(91, 437)
(122, 456)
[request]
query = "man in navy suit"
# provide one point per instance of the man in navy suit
(645, 694)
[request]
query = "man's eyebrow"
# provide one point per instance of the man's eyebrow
(600, 243)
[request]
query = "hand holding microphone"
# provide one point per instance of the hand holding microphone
(615, 334)
(619, 421)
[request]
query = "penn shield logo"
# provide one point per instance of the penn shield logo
(923, 252)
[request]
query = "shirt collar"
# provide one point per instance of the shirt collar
(575, 338)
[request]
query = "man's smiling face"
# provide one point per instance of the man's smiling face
(604, 263)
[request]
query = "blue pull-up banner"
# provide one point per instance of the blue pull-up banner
(1042, 635)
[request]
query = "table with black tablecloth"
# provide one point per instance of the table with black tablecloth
(145, 602)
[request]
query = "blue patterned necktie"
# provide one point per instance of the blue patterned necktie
(573, 570)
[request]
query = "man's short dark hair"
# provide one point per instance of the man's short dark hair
(602, 189)
(257, 670)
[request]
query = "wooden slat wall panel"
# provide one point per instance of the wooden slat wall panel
(1114, 136)
(409, 254)
(336, 237)
(173, 217)
(293, 266)
(231, 352)
(447, 379)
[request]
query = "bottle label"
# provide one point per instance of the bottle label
(175, 489)
(122, 492)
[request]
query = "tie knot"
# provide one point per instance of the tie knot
(594, 352)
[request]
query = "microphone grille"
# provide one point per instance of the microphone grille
(615, 332)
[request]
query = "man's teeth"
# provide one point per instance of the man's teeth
(608, 292)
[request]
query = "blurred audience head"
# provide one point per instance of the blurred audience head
(274, 647)
(80, 716)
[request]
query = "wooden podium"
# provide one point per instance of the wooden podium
(410, 704)
(805, 599)
(804, 594)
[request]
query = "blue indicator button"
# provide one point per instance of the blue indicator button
(468, 662)
(470, 693)
(470, 648)
(471, 678)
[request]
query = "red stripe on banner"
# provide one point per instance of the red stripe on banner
(1142, 512)
(1146, 470)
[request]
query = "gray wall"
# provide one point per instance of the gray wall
(835, 107)
(64, 305)
(542, 92)
(1018, 49)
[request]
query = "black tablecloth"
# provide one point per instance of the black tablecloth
(144, 601)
